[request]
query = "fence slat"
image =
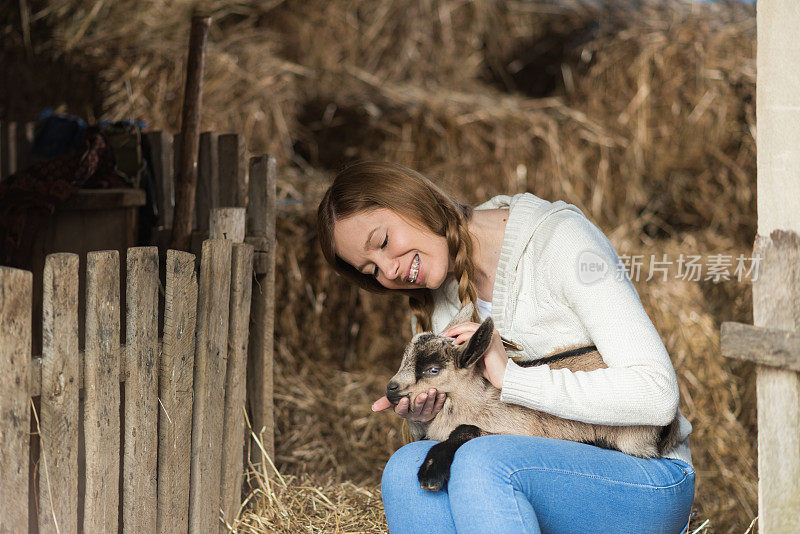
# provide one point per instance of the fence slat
(141, 391)
(15, 348)
(58, 468)
(232, 171)
(234, 424)
(101, 410)
(207, 180)
(261, 230)
(175, 392)
(211, 356)
(161, 153)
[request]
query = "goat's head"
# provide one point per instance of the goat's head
(430, 361)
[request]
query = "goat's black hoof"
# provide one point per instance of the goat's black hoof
(435, 470)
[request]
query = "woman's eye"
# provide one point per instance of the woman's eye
(375, 271)
(385, 241)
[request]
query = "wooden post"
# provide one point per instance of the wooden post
(776, 291)
(15, 356)
(261, 234)
(211, 358)
(58, 467)
(190, 139)
(141, 392)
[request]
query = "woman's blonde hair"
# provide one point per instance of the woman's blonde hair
(370, 185)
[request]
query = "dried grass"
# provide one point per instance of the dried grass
(641, 113)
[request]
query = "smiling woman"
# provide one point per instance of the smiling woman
(398, 253)
(388, 228)
(379, 221)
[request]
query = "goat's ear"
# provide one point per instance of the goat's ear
(464, 315)
(477, 345)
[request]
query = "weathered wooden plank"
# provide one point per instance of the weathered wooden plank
(15, 349)
(207, 180)
(175, 392)
(776, 305)
(141, 393)
(211, 355)
(58, 469)
(227, 223)
(261, 226)
(161, 154)
(235, 385)
(776, 348)
(101, 407)
(232, 171)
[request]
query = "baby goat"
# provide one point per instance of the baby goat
(473, 407)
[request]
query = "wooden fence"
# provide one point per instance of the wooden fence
(161, 421)
(132, 419)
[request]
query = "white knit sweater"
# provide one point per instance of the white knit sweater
(543, 303)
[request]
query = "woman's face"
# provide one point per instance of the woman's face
(400, 255)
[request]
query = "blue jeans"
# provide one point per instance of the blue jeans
(510, 484)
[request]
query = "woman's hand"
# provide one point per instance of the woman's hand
(426, 406)
(494, 361)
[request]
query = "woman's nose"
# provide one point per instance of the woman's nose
(390, 268)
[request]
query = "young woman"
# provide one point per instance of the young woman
(550, 279)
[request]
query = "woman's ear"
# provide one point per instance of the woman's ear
(477, 345)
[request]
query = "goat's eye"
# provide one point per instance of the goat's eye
(432, 371)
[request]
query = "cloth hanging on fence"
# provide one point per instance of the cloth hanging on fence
(29, 197)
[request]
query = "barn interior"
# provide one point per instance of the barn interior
(640, 113)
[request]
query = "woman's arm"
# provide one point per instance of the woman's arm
(639, 386)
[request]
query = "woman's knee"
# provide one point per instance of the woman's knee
(400, 472)
(475, 461)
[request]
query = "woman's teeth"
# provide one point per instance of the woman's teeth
(414, 269)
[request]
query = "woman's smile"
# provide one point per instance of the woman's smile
(414, 271)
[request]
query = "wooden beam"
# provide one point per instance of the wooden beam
(776, 290)
(765, 346)
(186, 183)
(261, 230)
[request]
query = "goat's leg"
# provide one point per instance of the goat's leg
(435, 470)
